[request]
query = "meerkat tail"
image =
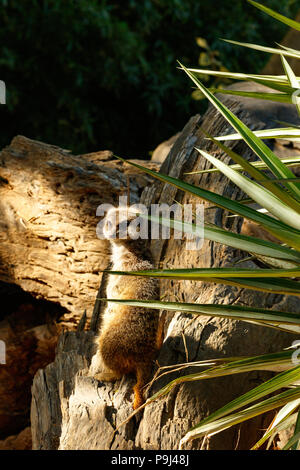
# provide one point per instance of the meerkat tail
(160, 331)
(142, 375)
(138, 398)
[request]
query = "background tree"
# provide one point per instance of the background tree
(82, 74)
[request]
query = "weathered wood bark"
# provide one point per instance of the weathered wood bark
(71, 410)
(48, 203)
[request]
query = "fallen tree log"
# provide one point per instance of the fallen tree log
(48, 203)
(72, 410)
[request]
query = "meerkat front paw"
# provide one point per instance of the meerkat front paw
(100, 372)
(96, 366)
(107, 376)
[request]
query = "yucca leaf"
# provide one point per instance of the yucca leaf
(273, 285)
(293, 24)
(281, 380)
(228, 421)
(235, 312)
(287, 48)
(279, 180)
(284, 236)
(279, 97)
(288, 328)
(294, 440)
(241, 161)
(273, 262)
(287, 423)
(280, 230)
(296, 445)
(284, 418)
(290, 162)
(286, 133)
(199, 273)
(250, 244)
(279, 79)
(236, 240)
(293, 81)
(265, 280)
(290, 74)
(258, 146)
(276, 82)
(270, 50)
(275, 362)
(274, 85)
(287, 124)
(246, 200)
(258, 175)
(262, 196)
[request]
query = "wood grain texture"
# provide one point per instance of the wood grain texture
(48, 203)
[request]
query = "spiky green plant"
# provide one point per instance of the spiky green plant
(278, 197)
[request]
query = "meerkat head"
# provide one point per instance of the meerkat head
(117, 225)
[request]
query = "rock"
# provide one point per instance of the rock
(29, 330)
(21, 441)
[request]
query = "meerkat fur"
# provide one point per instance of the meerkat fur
(129, 336)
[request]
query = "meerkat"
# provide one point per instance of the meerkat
(129, 336)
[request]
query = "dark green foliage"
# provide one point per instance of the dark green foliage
(90, 75)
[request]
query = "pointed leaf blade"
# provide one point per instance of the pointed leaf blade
(280, 230)
(293, 24)
(262, 196)
(227, 311)
(271, 50)
(257, 145)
